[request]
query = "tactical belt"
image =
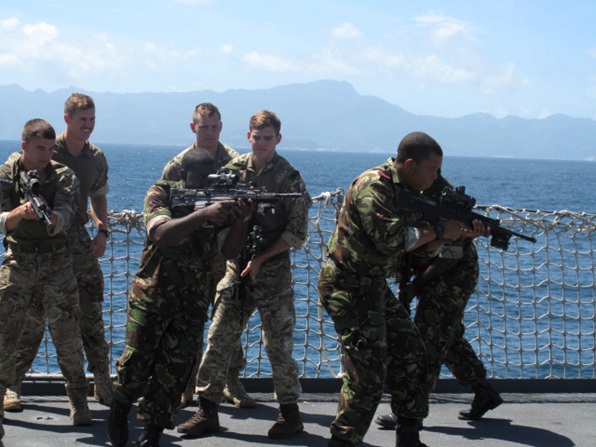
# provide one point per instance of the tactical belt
(36, 248)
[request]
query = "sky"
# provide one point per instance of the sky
(531, 58)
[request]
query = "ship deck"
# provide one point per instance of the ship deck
(537, 419)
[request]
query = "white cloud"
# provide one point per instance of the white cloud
(445, 28)
(226, 48)
(9, 24)
(346, 31)
(269, 62)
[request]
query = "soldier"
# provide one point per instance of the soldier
(268, 274)
(381, 347)
(443, 286)
(36, 273)
(206, 125)
(89, 164)
(168, 301)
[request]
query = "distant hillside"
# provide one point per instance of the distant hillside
(322, 115)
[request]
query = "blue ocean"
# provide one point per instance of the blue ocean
(545, 185)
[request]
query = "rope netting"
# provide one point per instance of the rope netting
(532, 316)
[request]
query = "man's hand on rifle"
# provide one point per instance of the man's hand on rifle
(252, 270)
(476, 230)
(218, 211)
(244, 208)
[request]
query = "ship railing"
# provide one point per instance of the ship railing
(533, 314)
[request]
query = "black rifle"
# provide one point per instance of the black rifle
(225, 186)
(30, 184)
(457, 205)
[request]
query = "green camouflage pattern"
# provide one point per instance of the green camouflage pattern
(371, 232)
(172, 171)
(382, 349)
(167, 311)
(441, 306)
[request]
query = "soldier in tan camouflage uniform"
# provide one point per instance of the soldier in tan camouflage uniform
(37, 267)
(443, 286)
(168, 301)
(89, 164)
(381, 347)
(264, 283)
(206, 125)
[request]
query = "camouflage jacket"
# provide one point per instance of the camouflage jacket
(370, 236)
(289, 221)
(59, 188)
(181, 267)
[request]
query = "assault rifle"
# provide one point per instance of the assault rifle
(30, 184)
(224, 186)
(457, 205)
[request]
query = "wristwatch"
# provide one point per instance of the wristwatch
(439, 230)
(105, 232)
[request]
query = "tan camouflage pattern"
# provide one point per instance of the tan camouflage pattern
(91, 168)
(382, 349)
(42, 281)
(167, 310)
(272, 295)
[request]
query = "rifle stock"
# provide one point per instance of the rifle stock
(456, 205)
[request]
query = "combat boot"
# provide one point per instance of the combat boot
(203, 422)
(12, 399)
(2, 394)
(150, 436)
(288, 424)
(388, 421)
(102, 386)
(79, 409)
(118, 423)
(486, 398)
(235, 393)
(408, 433)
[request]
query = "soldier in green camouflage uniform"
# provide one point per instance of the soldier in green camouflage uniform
(206, 125)
(267, 287)
(443, 286)
(381, 346)
(168, 302)
(89, 164)
(37, 267)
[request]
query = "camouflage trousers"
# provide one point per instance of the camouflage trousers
(91, 287)
(381, 351)
(46, 284)
(439, 318)
(273, 297)
(162, 338)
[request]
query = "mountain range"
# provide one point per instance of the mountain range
(320, 115)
